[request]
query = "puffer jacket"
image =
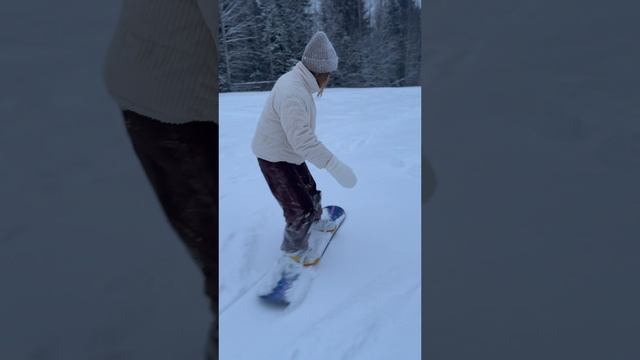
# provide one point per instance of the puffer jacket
(286, 129)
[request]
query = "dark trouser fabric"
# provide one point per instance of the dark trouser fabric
(295, 190)
(181, 162)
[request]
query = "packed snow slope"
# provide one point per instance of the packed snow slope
(364, 302)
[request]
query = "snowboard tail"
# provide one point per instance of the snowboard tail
(290, 284)
(278, 295)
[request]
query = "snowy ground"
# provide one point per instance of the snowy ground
(365, 300)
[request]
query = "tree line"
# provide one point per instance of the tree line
(262, 39)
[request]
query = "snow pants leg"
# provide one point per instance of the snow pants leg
(181, 162)
(295, 190)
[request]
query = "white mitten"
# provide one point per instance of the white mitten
(341, 172)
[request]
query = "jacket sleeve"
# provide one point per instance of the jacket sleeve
(296, 123)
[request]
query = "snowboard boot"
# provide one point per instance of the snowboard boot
(308, 257)
(288, 282)
(324, 225)
(298, 257)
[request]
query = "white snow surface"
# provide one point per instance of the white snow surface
(364, 301)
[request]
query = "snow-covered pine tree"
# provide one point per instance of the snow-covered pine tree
(346, 24)
(262, 39)
(299, 18)
(260, 71)
(237, 35)
(414, 45)
(287, 28)
(394, 44)
(393, 28)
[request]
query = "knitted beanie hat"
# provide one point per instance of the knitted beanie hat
(319, 55)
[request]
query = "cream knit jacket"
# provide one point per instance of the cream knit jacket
(162, 60)
(286, 129)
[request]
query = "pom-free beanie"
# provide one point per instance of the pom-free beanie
(319, 55)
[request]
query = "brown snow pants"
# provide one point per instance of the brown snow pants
(295, 190)
(181, 162)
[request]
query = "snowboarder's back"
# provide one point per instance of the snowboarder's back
(285, 138)
(286, 128)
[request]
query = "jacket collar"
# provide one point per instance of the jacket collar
(309, 80)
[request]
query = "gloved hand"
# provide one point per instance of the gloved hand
(341, 172)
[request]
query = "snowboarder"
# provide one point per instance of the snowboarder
(285, 138)
(161, 71)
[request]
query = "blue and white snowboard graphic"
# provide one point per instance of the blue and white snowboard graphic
(289, 281)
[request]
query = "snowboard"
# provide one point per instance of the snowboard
(289, 282)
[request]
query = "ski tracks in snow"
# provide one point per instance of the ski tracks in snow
(364, 300)
(368, 315)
